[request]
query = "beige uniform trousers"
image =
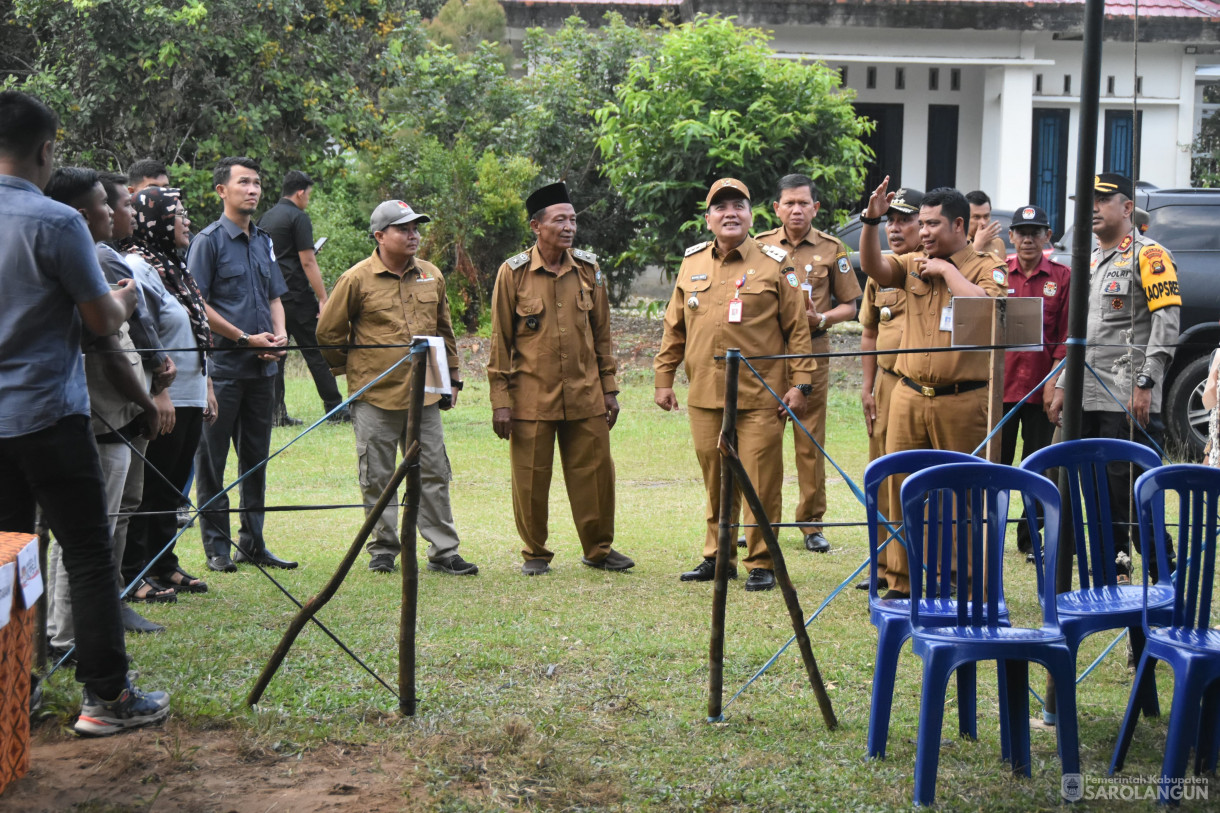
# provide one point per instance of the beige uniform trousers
(760, 440)
(956, 423)
(588, 473)
(883, 392)
(810, 462)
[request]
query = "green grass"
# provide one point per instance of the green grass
(582, 689)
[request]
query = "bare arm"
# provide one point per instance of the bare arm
(309, 262)
(872, 262)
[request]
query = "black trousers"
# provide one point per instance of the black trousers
(301, 321)
(57, 468)
(170, 458)
(1122, 478)
(1036, 432)
(243, 419)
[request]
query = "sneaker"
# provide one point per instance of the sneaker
(611, 561)
(382, 563)
(455, 565)
(132, 709)
(535, 567)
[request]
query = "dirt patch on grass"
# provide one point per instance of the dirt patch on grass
(178, 769)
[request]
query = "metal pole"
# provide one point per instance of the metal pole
(725, 542)
(1078, 304)
(410, 515)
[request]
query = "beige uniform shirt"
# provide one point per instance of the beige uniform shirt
(370, 305)
(925, 308)
(883, 309)
(552, 358)
(697, 326)
(997, 249)
(821, 261)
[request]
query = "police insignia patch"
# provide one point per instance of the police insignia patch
(597, 278)
(1049, 289)
(1116, 304)
(792, 280)
(696, 247)
(844, 265)
(587, 256)
(774, 252)
(1125, 244)
(999, 276)
(519, 260)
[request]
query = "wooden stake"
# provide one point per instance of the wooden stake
(725, 544)
(406, 536)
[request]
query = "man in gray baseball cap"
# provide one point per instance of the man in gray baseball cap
(376, 308)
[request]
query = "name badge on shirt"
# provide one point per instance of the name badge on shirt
(946, 318)
(735, 311)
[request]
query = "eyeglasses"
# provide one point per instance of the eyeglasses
(181, 215)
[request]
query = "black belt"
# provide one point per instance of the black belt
(948, 389)
(817, 334)
(888, 371)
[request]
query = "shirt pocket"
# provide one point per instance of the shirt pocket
(529, 318)
(381, 313)
(890, 298)
(1116, 299)
(695, 296)
(426, 298)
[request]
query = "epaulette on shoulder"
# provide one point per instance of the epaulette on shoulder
(697, 247)
(519, 260)
(768, 232)
(774, 252)
(211, 227)
(586, 256)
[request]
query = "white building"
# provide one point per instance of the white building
(982, 94)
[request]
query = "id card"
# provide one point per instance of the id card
(807, 287)
(946, 318)
(735, 311)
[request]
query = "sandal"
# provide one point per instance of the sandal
(184, 582)
(151, 593)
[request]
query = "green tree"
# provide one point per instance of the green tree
(464, 24)
(574, 71)
(1205, 151)
(714, 101)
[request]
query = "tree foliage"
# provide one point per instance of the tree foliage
(463, 25)
(715, 101)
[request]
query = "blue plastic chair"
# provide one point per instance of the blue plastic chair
(1187, 641)
(892, 617)
(971, 499)
(1099, 602)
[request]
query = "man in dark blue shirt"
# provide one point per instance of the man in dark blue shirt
(240, 281)
(52, 283)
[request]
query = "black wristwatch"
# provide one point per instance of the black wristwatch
(870, 221)
(806, 389)
(243, 340)
(1144, 382)
(458, 385)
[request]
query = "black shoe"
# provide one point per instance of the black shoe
(382, 563)
(705, 571)
(535, 567)
(1029, 557)
(894, 594)
(342, 416)
(57, 653)
(882, 583)
(454, 565)
(816, 542)
(134, 622)
(288, 420)
(265, 558)
(760, 579)
(611, 561)
(741, 541)
(221, 564)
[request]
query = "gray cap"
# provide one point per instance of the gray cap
(393, 213)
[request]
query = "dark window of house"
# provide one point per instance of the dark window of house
(1110, 85)
(870, 78)
(1067, 84)
(900, 79)
(1038, 83)
(933, 78)
(955, 79)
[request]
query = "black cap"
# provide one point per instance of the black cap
(548, 195)
(1030, 215)
(1109, 183)
(906, 201)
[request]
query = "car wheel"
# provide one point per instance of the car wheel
(1185, 416)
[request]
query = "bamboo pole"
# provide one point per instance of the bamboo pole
(406, 536)
(725, 543)
(729, 454)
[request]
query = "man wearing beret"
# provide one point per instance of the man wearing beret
(882, 315)
(941, 398)
(551, 376)
(388, 299)
(1134, 306)
(1032, 274)
(831, 289)
(733, 291)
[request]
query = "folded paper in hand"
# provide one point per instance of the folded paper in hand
(437, 378)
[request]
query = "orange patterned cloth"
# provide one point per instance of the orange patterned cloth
(16, 658)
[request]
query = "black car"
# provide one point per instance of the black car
(1187, 222)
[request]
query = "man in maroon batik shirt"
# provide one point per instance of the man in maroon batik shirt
(1032, 274)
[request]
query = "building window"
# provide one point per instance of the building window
(1038, 83)
(1067, 84)
(1139, 86)
(900, 79)
(870, 77)
(1109, 85)
(955, 79)
(843, 75)
(933, 78)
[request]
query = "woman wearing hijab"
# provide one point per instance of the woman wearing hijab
(161, 229)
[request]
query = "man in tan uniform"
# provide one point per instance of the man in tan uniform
(386, 300)
(984, 232)
(882, 316)
(735, 292)
(941, 400)
(831, 289)
(551, 375)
